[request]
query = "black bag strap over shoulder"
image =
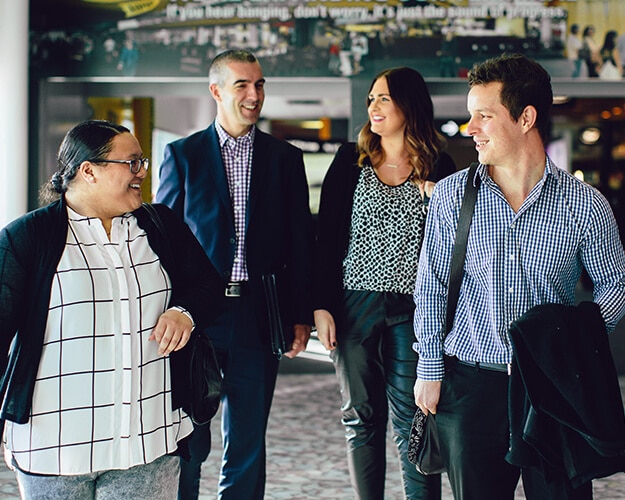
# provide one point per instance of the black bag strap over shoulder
(460, 245)
(156, 220)
(423, 445)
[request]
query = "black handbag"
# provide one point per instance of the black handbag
(423, 445)
(205, 376)
(424, 448)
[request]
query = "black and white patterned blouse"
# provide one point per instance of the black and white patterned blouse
(385, 236)
(102, 397)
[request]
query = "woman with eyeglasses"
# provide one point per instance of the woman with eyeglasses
(96, 304)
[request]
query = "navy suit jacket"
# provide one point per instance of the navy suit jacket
(279, 231)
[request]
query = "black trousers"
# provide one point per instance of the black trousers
(376, 368)
(472, 420)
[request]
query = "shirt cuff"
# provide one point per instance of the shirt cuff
(431, 369)
(185, 312)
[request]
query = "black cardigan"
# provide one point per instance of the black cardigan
(30, 249)
(334, 221)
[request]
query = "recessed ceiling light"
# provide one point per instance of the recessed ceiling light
(590, 135)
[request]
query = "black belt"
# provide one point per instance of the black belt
(237, 289)
(495, 367)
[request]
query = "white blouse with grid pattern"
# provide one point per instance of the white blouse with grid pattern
(102, 397)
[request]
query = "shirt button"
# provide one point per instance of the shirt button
(510, 290)
(512, 257)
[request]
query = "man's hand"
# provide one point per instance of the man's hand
(172, 331)
(427, 394)
(300, 341)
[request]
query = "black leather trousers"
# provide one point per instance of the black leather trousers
(376, 368)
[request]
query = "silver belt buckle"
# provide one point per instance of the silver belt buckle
(233, 290)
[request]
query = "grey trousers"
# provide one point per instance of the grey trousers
(157, 480)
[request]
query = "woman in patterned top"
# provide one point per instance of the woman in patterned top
(609, 55)
(371, 220)
(96, 305)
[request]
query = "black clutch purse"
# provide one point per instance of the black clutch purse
(424, 447)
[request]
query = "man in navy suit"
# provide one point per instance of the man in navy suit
(245, 196)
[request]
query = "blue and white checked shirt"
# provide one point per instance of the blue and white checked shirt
(237, 158)
(514, 262)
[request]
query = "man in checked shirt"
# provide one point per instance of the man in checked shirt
(535, 227)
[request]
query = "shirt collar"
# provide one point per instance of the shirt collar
(550, 169)
(224, 136)
(87, 220)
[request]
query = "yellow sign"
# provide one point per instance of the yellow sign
(130, 8)
(138, 7)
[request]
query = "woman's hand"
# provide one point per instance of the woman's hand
(172, 331)
(326, 329)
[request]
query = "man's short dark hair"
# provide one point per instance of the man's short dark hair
(220, 62)
(524, 83)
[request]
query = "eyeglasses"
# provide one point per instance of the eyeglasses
(134, 165)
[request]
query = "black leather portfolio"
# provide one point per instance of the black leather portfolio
(278, 342)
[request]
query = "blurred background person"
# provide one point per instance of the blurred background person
(610, 59)
(448, 55)
(334, 61)
(590, 51)
(573, 44)
(620, 46)
(110, 50)
(371, 221)
(128, 58)
(96, 307)
(360, 48)
(346, 66)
